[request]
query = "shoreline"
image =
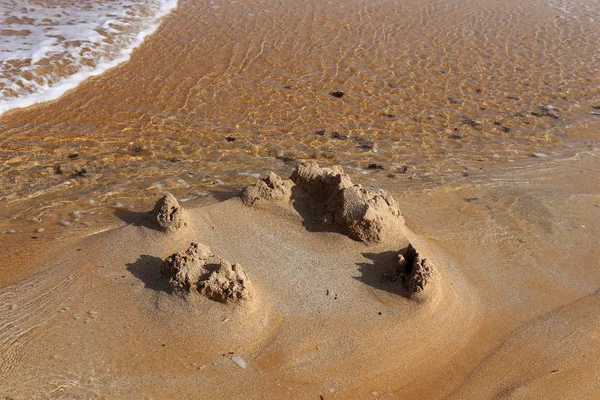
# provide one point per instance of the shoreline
(71, 82)
(505, 249)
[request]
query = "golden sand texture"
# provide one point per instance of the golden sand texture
(433, 92)
(513, 312)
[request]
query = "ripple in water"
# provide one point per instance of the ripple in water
(47, 48)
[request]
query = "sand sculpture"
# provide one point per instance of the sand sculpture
(414, 272)
(199, 270)
(360, 213)
(270, 188)
(168, 214)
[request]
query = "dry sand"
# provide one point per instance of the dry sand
(512, 312)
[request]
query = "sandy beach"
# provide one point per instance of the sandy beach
(513, 312)
(166, 233)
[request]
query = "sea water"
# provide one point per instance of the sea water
(49, 47)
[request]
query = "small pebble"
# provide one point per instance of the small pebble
(539, 155)
(92, 202)
(65, 223)
(119, 205)
(375, 166)
(338, 95)
(40, 230)
(13, 306)
(93, 312)
(338, 136)
(239, 361)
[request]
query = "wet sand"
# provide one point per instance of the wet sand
(444, 104)
(446, 90)
(513, 314)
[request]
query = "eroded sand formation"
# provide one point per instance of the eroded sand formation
(199, 270)
(168, 214)
(414, 272)
(270, 188)
(360, 213)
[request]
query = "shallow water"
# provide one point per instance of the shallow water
(434, 93)
(47, 48)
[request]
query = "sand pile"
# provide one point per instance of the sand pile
(362, 214)
(168, 214)
(270, 188)
(199, 270)
(414, 272)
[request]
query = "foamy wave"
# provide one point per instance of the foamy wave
(47, 50)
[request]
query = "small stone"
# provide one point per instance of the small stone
(338, 136)
(65, 223)
(92, 312)
(542, 155)
(337, 95)
(230, 139)
(320, 133)
(239, 361)
(40, 230)
(13, 306)
(455, 136)
(375, 166)
(470, 121)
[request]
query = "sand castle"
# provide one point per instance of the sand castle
(270, 188)
(168, 214)
(331, 198)
(199, 270)
(360, 213)
(414, 272)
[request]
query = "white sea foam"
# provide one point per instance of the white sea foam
(46, 50)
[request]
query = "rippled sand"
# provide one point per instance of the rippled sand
(512, 312)
(446, 90)
(444, 104)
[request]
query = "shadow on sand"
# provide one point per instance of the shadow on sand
(148, 270)
(381, 273)
(136, 218)
(312, 212)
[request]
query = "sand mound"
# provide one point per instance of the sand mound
(270, 188)
(199, 270)
(414, 272)
(359, 212)
(168, 214)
